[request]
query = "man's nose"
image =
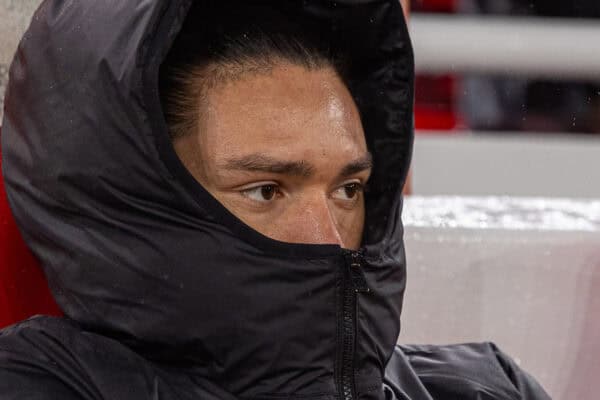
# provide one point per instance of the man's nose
(315, 222)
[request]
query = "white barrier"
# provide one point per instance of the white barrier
(544, 47)
(524, 273)
(505, 163)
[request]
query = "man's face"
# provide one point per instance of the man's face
(285, 152)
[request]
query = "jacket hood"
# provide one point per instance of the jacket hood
(134, 248)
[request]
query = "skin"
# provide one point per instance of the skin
(284, 150)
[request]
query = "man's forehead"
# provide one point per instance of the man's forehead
(290, 95)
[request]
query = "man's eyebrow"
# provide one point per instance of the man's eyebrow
(362, 164)
(262, 163)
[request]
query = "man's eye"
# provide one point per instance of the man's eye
(350, 191)
(262, 193)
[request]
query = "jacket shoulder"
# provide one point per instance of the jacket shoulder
(53, 358)
(31, 358)
(467, 371)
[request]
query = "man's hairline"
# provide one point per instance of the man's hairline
(259, 67)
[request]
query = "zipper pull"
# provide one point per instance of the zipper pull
(354, 260)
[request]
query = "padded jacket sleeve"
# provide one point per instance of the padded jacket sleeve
(527, 386)
(47, 358)
(36, 365)
(24, 383)
(471, 372)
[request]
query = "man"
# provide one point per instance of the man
(249, 247)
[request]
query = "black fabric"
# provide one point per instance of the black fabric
(166, 294)
(52, 358)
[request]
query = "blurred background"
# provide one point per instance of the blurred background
(502, 229)
(523, 94)
(502, 217)
(507, 97)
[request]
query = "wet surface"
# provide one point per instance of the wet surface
(524, 273)
(505, 213)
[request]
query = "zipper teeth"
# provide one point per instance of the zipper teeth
(348, 342)
(349, 292)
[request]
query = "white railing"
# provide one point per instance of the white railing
(506, 163)
(544, 47)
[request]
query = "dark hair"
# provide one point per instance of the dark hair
(207, 53)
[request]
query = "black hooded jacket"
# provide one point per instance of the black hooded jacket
(166, 294)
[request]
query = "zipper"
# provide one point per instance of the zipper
(353, 284)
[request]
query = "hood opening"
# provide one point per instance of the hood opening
(380, 79)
